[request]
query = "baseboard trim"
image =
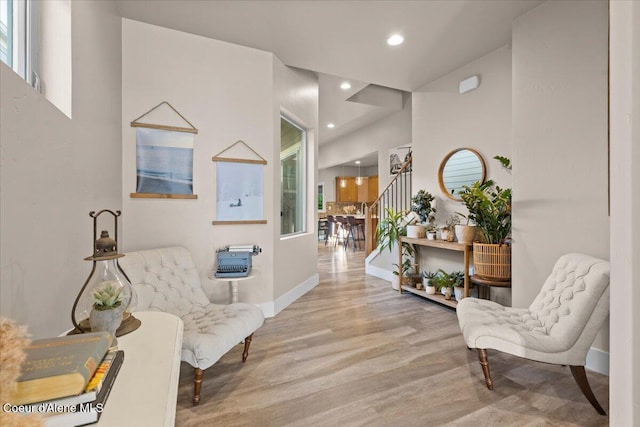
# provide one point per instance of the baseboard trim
(378, 272)
(598, 361)
(271, 308)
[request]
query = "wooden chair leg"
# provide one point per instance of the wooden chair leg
(581, 378)
(247, 343)
(197, 384)
(484, 362)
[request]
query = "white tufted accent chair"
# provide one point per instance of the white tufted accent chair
(558, 327)
(167, 280)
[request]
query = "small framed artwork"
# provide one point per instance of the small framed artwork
(239, 195)
(321, 207)
(164, 162)
(398, 157)
(164, 157)
(239, 187)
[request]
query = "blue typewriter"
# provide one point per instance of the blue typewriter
(235, 260)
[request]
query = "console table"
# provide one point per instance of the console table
(146, 389)
(465, 248)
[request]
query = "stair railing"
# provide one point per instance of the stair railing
(396, 196)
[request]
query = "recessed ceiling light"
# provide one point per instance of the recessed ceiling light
(331, 125)
(395, 40)
(345, 86)
(357, 162)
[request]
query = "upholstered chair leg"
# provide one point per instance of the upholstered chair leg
(581, 378)
(484, 362)
(197, 384)
(247, 343)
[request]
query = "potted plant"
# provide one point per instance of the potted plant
(447, 231)
(428, 282)
(458, 284)
(490, 208)
(465, 233)
(389, 231)
(444, 282)
(106, 314)
(421, 204)
(431, 232)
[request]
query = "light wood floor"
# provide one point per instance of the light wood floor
(352, 352)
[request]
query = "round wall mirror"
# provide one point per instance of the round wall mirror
(461, 167)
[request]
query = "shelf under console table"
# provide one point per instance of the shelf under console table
(465, 248)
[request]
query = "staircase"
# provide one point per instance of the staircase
(397, 197)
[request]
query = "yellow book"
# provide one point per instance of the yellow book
(60, 367)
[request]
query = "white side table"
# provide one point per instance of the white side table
(146, 388)
(233, 282)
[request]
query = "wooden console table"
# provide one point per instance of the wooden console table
(146, 389)
(465, 248)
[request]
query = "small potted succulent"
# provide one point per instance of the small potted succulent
(428, 282)
(458, 284)
(447, 231)
(106, 314)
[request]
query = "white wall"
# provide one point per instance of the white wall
(559, 141)
(444, 120)
(230, 93)
(295, 267)
(224, 90)
(390, 132)
(624, 384)
(54, 171)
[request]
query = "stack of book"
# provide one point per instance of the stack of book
(67, 380)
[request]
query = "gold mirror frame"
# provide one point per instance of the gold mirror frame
(443, 188)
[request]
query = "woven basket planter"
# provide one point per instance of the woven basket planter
(492, 261)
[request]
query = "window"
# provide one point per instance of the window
(18, 38)
(292, 178)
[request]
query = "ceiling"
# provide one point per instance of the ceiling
(346, 40)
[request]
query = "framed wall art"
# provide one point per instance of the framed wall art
(239, 188)
(397, 157)
(164, 159)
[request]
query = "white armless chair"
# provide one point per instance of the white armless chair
(167, 280)
(558, 327)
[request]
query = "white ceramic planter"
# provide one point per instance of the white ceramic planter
(416, 231)
(105, 320)
(465, 233)
(459, 292)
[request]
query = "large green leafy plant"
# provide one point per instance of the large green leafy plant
(490, 208)
(421, 204)
(390, 229)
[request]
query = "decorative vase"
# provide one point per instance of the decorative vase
(465, 233)
(447, 293)
(105, 320)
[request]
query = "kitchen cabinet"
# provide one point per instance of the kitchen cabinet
(351, 192)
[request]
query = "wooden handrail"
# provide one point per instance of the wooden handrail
(370, 223)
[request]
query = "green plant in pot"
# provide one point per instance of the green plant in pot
(421, 204)
(427, 280)
(490, 209)
(389, 231)
(447, 231)
(106, 314)
(458, 284)
(444, 282)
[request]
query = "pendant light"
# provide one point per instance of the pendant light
(358, 178)
(343, 182)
